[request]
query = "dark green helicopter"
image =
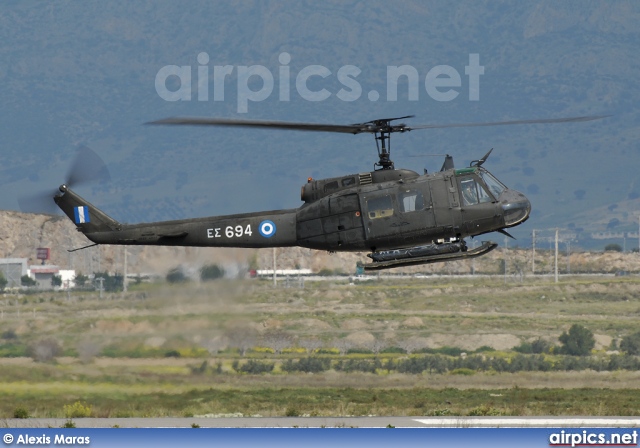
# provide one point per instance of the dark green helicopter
(399, 216)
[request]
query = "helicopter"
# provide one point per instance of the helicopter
(398, 216)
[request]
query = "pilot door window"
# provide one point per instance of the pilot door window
(380, 207)
(473, 193)
(410, 201)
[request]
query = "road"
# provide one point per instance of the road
(331, 422)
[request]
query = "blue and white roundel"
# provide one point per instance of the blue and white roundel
(267, 229)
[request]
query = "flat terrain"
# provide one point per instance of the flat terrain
(175, 350)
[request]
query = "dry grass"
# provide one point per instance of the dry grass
(467, 313)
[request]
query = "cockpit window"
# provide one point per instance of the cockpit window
(473, 193)
(495, 186)
(469, 194)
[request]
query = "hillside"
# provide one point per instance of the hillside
(85, 73)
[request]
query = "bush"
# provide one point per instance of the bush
(631, 344)
(9, 334)
(20, 412)
(80, 280)
(393, 350)
(359, 365)
(27, 281)
(201, 369)
(292, 412)
(110, 283)
(578, 341)
(44, 350)
(613, 247)
(77, 410)
(484, 411)
(256, 367)
(537, 346)
(3, 281)
(56, 280)
(211, 272)
(308, 365)
(176, 275)
(462, 371)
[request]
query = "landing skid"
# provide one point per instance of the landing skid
(486, 247)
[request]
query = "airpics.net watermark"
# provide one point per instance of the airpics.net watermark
(441, 83)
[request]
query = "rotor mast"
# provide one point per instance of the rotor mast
(382, 131)
(383, 143)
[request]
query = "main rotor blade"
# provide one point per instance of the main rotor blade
(502, 123)
(369, 126)
(345, 129)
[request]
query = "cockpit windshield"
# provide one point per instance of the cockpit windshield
(494, 184)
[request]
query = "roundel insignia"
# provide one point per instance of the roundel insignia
(267, 229)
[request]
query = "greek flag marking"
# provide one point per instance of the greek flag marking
(81, 214)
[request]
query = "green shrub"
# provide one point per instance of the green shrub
(292, 412)
(27, 281)
(578, 341)
(77, 410)
(310, 364)
(176, 275)
(20, 412)
(9, 334)
(462, 371)
(44, 350)
(358, 365)
(631, 344)
(110, 283)
(211, 272)
(484, 411)
(256, 367)
(391, 350)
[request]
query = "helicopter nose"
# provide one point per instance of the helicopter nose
(516, 207)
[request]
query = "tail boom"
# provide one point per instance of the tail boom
(252, 230)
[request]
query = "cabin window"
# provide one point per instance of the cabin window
(348, 181)
(410, 201)
(380, 207)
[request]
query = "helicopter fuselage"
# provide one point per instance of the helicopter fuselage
(372, 211)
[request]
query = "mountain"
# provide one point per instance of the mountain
(92, 73)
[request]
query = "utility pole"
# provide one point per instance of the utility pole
(101, 281)
(473, 260)
(556, 256)
(533, 252)
(275, 283)
(506, 247)
(124, 278)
